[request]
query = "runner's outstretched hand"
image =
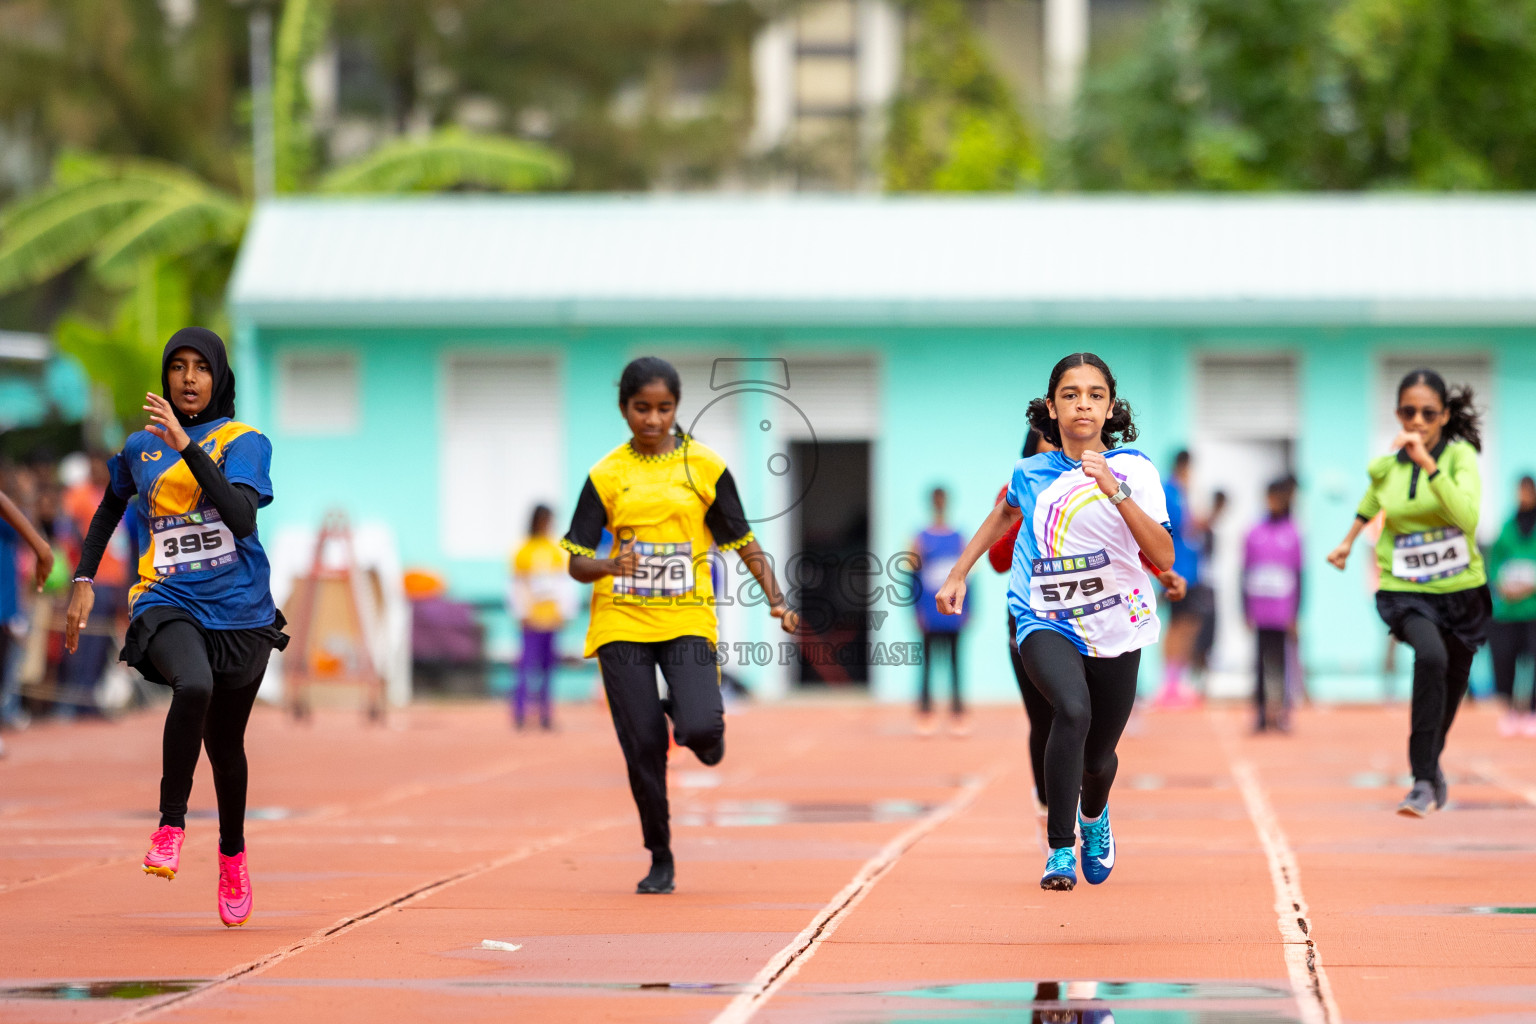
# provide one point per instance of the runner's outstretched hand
(951, 597)
(1097, 468)
(624, 562)
(789, 619)
(1339, 556)
(82, 598)
(165, 425)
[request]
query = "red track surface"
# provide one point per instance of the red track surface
(892, 878)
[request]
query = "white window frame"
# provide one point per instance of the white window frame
(337, 413)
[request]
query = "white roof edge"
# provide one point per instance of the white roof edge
(1347, 258)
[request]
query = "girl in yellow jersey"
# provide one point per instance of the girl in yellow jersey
(666, 499)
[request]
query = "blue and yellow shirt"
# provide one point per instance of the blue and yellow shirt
(188, 558)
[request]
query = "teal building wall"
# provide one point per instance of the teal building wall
(951, 413)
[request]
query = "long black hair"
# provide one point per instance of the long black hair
(1463, 423)
(1118, 426)
(645, 370)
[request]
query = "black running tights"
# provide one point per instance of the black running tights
(1091, 700)
(640, 719)
(1036, 708)
(933, 643)
(1441, 664)
(202, 714)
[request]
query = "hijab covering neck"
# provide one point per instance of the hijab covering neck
(221, 405)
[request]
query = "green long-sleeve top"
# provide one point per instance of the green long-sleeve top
(1415, 502)
(1514, 553)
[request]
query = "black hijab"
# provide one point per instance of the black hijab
(221, 405)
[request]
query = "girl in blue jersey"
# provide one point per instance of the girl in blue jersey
(202, 618)
(1092, 517)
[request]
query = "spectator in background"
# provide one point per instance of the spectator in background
(938, 548)
(85, 479)
(1204, 594)
(14, 531)
(541, 603)
(1512, 635)
(1271, 601)
(1184, 617)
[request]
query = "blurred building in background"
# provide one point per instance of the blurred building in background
(440, 365)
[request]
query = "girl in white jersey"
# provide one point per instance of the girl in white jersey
(1093, 517)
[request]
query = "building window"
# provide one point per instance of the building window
(501, 450)
(1247, 395)
(318, 393)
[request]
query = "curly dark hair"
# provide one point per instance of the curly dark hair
(1463, 424)
(1118, 427)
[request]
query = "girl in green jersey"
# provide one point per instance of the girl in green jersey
(1434, 592)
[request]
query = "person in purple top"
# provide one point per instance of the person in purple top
(938, 548)
(1271, 600)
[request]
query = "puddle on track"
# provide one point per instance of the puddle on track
(759, 813)
(1121, 1002)
(1501, 910)
(78, 990)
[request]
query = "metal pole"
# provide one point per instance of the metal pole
(1066, 49)
(264, 169)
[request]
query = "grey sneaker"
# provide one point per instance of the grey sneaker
(1419, 801)
(1442, 791)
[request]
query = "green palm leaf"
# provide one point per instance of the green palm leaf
(176, 224)
(449, 159)
(90, 199)
(60, 227)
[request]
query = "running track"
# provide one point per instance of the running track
(834, 868)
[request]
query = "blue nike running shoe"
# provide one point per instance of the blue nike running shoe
(1060, 870)
(1098, 847)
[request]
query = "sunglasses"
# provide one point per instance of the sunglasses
(1407, 413)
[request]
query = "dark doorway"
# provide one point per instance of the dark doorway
(831, 532)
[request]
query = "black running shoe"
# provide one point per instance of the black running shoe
(1419, 801)
(659, 881)
(1442, 791)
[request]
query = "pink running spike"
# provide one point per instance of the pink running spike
(234, 890)
(164, 855)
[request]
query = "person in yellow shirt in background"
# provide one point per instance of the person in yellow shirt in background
(541, 603)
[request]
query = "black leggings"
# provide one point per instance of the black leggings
(640, 719)
(1269, 691)
(210, 710)
(932, 642)
(1091, 700)
(1036, 708)
(1507, 643)
(1441, 664)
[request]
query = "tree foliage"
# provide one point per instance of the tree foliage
(123, 79)
(954, 125)
(1316, 94)
(450, 159)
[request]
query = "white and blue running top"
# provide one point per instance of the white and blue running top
(1076, 567)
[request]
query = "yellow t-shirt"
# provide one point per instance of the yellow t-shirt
(674, 506)
(539, 578)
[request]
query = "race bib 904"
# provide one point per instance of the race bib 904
(195, 542)
(1430, 555)
(1073, 586)
(665, 570)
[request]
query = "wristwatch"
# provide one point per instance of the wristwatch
(1120, 495)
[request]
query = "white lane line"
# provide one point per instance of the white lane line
(1303, 961)
(788, 961)
(347, 924)
(1497, 776)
